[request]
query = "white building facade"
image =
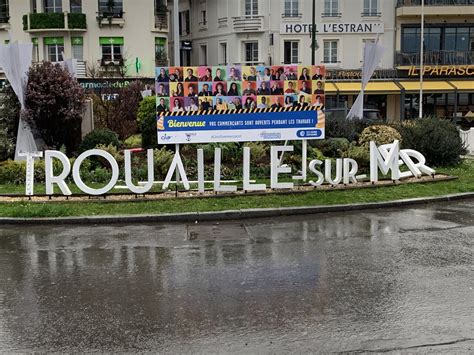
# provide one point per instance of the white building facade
(109, 38)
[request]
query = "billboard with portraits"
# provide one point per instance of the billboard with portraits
(240, 103)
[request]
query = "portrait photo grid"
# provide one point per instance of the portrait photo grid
(209, 89)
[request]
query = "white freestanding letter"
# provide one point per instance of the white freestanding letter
(217, 174)
(128, 173)
(312, 168)
(386, 163)
(277, 169)
(176, 163)
(200, 162)
(30, 170)
(350, 171)
(76, 169)
(328, 172)
(247, 185)
(50, 179)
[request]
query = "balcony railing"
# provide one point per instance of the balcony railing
(248, 24)
(401, 3)
(54, 21)
(331, 14)
(436, 58)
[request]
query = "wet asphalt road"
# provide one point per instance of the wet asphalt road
(392, 280)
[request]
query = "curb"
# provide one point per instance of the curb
(193, 217)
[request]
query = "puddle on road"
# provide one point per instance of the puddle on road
(216, 232)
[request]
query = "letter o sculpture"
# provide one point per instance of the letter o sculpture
(77, 176)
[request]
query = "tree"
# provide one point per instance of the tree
(9, 117)
(117, 111)
(54, 105)
(147, 120)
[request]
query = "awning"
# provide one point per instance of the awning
(428, 86)
(330, 87)
(463, 85)
(381, 87)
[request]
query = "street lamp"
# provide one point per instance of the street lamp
(422, 42)
(314, 44)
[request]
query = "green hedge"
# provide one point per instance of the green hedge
(42, 21)
(77, 21)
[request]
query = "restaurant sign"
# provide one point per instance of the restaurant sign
(443, 70)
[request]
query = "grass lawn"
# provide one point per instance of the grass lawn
(465, 183)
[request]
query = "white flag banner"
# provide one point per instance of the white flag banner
(373, 53)
(15, 60)
(70, 64)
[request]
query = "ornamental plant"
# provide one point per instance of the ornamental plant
(379, 134)
(54, 106)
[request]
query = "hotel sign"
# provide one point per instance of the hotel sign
(333, 28)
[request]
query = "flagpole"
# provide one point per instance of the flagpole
(177, 59)
(420, 115)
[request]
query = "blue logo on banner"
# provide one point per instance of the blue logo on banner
(310, 133)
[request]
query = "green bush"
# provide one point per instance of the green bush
(340, 127)
(146, 117)
(379, 134)
(99, 136)
(361, 154)
(437, 139)
(7, 149)
(134, 141)
(162, 161)
(332, 147)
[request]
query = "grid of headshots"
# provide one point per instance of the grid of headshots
(222, 88)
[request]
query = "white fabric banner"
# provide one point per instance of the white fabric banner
(373, 53)
(15, 60)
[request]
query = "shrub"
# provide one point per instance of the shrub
(379, 134)
(361, 154)
(162, 161)
(258, 153)
(146, 117)
(7, 148)
(332, 147)
(437, 139)
(340, 127)
(134, 141)
(99, 136)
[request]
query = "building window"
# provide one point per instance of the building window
(459, 39)
(77, 46)
(54, 48)
(291, 52)
(184, 23)
(330, 51)
(111, 8)
(53, 6)
(331, 8)
(291, 8)
(4, 13)
(203, 21)
(251, 53)
(161, 55)
(370, 8)
(76, 6)
(223, 53)
(251, 7)
(203, 54)
(112, 49)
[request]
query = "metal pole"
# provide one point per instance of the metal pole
(177, 59)
(313, 36)
(422, 42)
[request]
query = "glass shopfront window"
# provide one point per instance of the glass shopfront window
(450, 38)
